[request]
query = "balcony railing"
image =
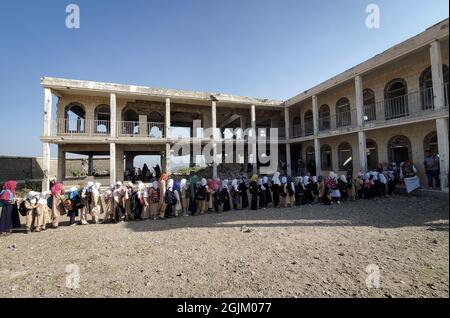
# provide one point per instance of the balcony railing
(135, 128)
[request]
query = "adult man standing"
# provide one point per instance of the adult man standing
(431, 164)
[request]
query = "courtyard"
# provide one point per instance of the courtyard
(311, 251)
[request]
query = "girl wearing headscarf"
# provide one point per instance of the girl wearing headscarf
(225, 196)
(57, 204)
(368, 186)
(290, 189)
(359, 186)
(170, 200)
(155, 199)
(262, 194)
(193, 195)
(243, 192)
(342, 184)
(334, 187)
(178, 205)
(276, 184)
(184, 193)
(309, 190)
(326, 196)
(315, 189)
(234, 192)
(137, 202)
(128, 193)
(216, 195)
(268, 195)
(42, 212)
(162, 190)
(30, 205)
(202, 196)
(350, 186)
(145, 198)
(119, 194)
(210, 193)
(299, 191)
(72, 204)
(284, 192)
(253, 187)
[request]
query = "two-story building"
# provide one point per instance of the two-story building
(390, 108)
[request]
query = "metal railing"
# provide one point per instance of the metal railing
(296, 131)
(135, 128)
(324, 123)
(343, 119)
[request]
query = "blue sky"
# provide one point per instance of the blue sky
(270, 49)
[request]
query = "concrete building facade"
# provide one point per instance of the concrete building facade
(390, 108)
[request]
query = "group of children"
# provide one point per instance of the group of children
(166, 198)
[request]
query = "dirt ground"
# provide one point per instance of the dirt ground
(313, 251)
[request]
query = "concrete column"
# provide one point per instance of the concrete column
(47, 111)
(167, 118)
(437, 74)
(214, 134)
(287, 126)
(113, 109)
(359, 101)
(112, 163)
(143, 126)
(315, 109)
(46, 166)
(442, 134)
(317, 156)
(362, 151)
(129, 161)
(90, 165)
(254, 136)
(167, 160)
(61, 172)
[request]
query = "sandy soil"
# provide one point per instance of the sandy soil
(313, 251)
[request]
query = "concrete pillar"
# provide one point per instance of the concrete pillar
(359, 102)
(287, 127)
(46, 166)
(167, 159)
(437, 74)
(362, 151)
(47, 111)
(113, 109)
(129, 161)
(315, 109)
(143, 125)
(61, 172)
(214, 132)
(112, 163)
(167, 119)
(442, 134)
(253, 140)
(90, 165)
(317, 156)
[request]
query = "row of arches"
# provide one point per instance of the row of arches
(75, 119)
(395, 104)
(398, 149)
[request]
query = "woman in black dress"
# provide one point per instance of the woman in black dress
(254, 192)
(225, 196)
(268, 195)
(262, 194)
(243, 192)
(276, 183)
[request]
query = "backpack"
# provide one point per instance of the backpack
(155, 196)
(201, 193)
(170, 198)
(290, 190)
(22, 209)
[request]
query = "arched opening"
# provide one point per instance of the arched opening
(345, 156)
(396, 99)
(309, 123)
(102, 123)
(324, 118)
(325, 158)
(130, 122)
(75, 117)
(369, 105)
(343, 115)
(399, 149)
(430, 142)
(426, 87)
(372, 154)
(311, 160)
(296, 127)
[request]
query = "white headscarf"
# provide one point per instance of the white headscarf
(234, 184)
(276, 178)
(183, 184)
(170, 184)
(42, 198)
(31, 196)
(314, 179)
(225, 184)
(265, 179)
(333, 175)
(155, 185)
(343, 178)
(305, 180)
(284, 180)
(204, 182)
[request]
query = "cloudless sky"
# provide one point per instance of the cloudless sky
(261, 48)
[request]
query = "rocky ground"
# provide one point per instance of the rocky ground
(313, 251)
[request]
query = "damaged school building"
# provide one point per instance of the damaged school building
(390, 108)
